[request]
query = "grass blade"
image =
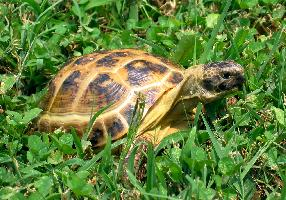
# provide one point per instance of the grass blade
(131, 159)
(133, 128)
(77, 11)
(106, 156)
(135, 182)
(41, 19)
(73, 161)
(242, 118)
(214, 33)
(217, 146)
(34, 5)
(90, 164)
(282, 79)
(186, 49)
(97, 3)
(158, 48)
(255, 158)
(173, 138)
(77, 143)
(133, 13)
(91, 122)
(283, 192)
(198, 112)
(109, 182)
(150, 168)
(270, 56)
(39, 22)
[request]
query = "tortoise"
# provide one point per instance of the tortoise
(117, 77)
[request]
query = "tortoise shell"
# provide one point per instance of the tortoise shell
(93, 81)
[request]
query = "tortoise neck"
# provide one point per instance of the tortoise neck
(188, 94)
(174, 102)
(191, 85)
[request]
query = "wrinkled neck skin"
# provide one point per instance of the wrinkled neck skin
(189, 96)
(191, 88)
(176, 104)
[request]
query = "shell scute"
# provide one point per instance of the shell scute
(151, 95)
(66, 94)
(175, 77)
(70, 80)
(84, 60)
(127, 112)
(107, 61)
(142, 72)
(111, 59)
(102, 91)
(51, 93)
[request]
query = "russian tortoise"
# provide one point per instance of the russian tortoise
(116, 77)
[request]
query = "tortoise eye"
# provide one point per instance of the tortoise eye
(226, 75)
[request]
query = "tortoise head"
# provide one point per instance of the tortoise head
(215, 80)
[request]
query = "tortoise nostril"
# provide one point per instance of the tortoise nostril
(226, 75)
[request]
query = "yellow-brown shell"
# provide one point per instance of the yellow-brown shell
(94, 81)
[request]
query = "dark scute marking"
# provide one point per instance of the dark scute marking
(83, 60)
(51, 93)
(101, 78)
(120, 54)
(96, 85)
(115, 127)
(96, 136)
(110, 59)
(105, 90)
(175, 77)
(128, 113)
(106, 61)
(70, 80)
(150, 96)
(115, 91)
(66, 94)
(139, 71)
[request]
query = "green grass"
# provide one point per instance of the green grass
(234, 150)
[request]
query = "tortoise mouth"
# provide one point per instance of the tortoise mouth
(234, 84)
